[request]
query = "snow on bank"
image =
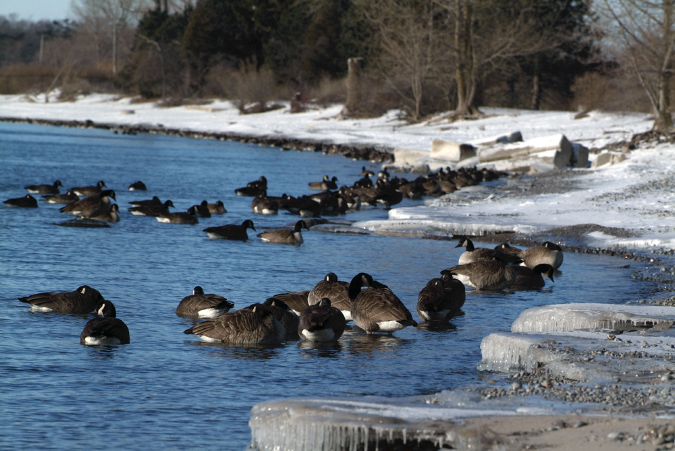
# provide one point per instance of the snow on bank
(637, 194)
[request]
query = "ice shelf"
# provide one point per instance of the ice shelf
(576, 317)
(360, 424)
(587, 342)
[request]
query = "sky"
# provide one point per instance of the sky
(36, 10)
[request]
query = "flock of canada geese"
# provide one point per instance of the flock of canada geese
(321, 313)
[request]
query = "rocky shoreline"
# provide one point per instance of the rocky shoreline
(355, 152)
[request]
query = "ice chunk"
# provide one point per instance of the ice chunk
(573, 317)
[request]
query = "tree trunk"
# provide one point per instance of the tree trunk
(536, 86)
(466, 77)
(354, 89)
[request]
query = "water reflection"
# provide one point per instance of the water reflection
(232, 351)
(437, 326)
(311, 349)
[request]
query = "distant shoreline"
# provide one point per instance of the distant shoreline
(355, 152)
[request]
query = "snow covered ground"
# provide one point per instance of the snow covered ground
(637, 194)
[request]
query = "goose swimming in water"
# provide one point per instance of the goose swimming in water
(532, 279)
(61, 198)
(548, 253)
(107, 330)
(87, 191)
(285, 236)
(83, 300)
(230, 231)
(441, 298)
(201, 305)
(255, 325)
(473, 254)
(26, 201)
(336, 291)
(486, 275)
(321, 322)
(44, 189)
(377, 308)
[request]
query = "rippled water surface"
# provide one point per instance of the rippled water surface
(166, 389)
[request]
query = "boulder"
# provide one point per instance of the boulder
(451, 151)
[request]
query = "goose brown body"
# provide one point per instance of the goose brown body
(26, 201)
(231, 231)
(441, 298)
(486, 275)
(44, 189)
(106, 330)
(321, 322)
(548, 253)
(285, 236)
(295, 300)
(255, 325)
(473, 254)
(87, 191)
(203, 305)
(83, 300)
(336, 291)
(376, 308)
(90, 206)
(61, 198)
(529, 279)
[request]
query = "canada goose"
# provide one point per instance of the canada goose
(366, 172)
(527, 279)
(472, 254)
(285, 236)
(26, 201)
(90, 206)
(202, 210)
(485, 275)
(508, 249)
(326, 183)
(441, 298)
(263, 205)
(83, 300)
(87, 191)
(154, 201)
(108, 330)
(61, 198)
(377, 308)
(549, 253)
(230, 231)
(138, 186)
(285, 315)
(336, 291)
(44, 189)
(151, 209)
(295, 300)
(321, 322)
(200, 305)
(217, 208)
(184, 217)
(253, 325)
(253, 188)
(111, 215)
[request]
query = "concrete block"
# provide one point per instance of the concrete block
(451, 151)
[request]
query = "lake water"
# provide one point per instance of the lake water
(168, 390)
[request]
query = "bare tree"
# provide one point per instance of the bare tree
(485, 38)
(108, 19)
(409, 43)
(644, 31)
